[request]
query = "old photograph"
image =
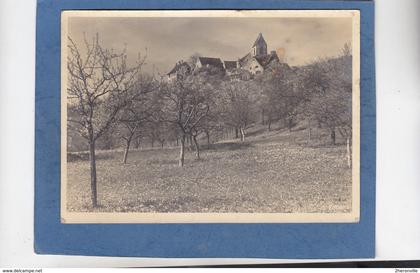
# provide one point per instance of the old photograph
(210, 116)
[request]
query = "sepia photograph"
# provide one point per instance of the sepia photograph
(210, 116)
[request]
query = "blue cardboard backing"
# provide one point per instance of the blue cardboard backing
(346, 240)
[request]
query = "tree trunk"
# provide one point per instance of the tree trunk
(197, 148)
(137, 143)
(187, 142)
(127, 148)
(236, 133)
(333, 136)
(290, 124)
(93, 180)
(348, 152)
(208, 139)
(310, 133)
(242, 134)
(177, 141)
(191, 143)
(182, 152)
(262, 115)
(153, 142)
(269, 124)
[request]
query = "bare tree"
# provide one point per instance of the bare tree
(161, 132)
(138, 141)
(328, 85)
(130, 132)
(212, 124)
(139, 110)
(154, 131)
(186, 102)
(99, 81)
(192, 60)
(279, 97)
(194, 134)
(346, 50)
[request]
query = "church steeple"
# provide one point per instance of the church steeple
(259, 47)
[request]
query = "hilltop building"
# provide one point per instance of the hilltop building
(255, 62)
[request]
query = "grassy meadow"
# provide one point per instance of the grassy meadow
(277, 171)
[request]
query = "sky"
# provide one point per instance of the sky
(166, 40)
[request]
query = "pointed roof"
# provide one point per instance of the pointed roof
(260, 40)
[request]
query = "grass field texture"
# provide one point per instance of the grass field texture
(275, 171)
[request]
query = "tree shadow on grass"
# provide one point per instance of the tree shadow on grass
(84, 156)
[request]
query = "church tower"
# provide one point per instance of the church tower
(259, 47)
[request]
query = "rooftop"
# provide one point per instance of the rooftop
(216, 62)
